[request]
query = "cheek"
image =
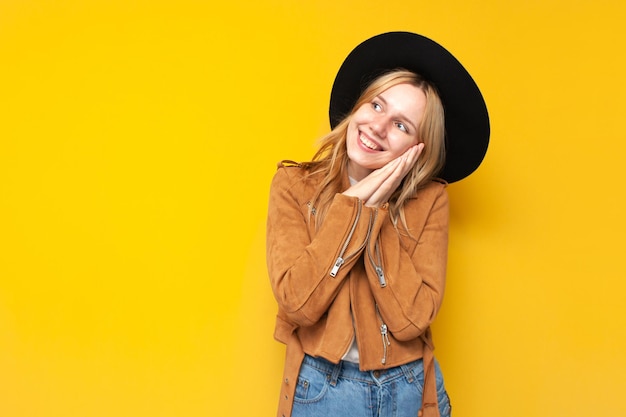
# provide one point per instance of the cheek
(351, 145)
(350, 134)
(361, 116)
(402, 145)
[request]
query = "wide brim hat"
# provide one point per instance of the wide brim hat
(466, 118)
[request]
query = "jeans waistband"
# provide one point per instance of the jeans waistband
(350, 370)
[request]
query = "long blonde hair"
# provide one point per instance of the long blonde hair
(331, 159)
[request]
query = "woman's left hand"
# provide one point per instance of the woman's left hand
(380, 184)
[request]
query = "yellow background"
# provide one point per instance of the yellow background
(137, 142)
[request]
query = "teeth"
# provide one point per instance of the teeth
(365, 141)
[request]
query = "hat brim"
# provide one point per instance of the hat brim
(466, 117)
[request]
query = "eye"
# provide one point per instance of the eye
(401, 126)
(376, 106)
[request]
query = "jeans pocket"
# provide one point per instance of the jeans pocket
(312, 385)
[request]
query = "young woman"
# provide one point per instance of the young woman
(357, 238)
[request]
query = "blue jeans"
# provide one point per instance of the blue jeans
(325, 389)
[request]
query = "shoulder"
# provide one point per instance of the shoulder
(295, 178)
(286, 163)
(432, 190)
(433, 194)
(289, 172)
(430, 205)
(305, 172)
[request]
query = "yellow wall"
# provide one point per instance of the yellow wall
(137, 142)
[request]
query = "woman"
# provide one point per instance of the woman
(357, 238)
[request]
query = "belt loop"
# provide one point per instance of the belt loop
(335, 375)
(407, 370)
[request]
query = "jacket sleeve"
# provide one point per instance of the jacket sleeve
(413, 275)
(300, 261)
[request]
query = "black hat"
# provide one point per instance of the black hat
(466, 117)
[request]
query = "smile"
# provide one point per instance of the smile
(368, 143)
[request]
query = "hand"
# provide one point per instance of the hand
(380, 184)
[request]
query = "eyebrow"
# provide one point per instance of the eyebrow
(402, 116)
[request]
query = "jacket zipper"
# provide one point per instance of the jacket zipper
(340, 259)
(377, 264)
(384, 333)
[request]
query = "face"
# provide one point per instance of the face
(384, 128)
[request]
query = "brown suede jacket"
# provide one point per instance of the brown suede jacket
(357, 272)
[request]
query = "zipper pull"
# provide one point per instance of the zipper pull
(385, 336)
(381, 277)
(338, 263)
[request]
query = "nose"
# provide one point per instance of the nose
(379, 126)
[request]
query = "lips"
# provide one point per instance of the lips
(368, 143)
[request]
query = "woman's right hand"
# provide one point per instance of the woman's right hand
(380, 184)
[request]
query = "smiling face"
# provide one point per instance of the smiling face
(384, 128)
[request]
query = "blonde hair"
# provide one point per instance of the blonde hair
(331, 159)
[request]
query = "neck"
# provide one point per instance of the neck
(357, 173)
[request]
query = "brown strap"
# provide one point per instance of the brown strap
(430, 406)
(293, 361)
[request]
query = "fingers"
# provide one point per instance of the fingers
(389, 185)
(412, 154)
(396, 170)
(379, 185)
(368, 186)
